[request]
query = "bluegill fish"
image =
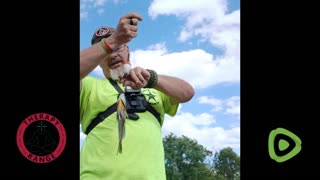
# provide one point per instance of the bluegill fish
(121, 117)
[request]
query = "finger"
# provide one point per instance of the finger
(141, 78)
(131, 84)
(134, 78)
(128, 83)
(145, 74)
(139, 73)
(131, 21)
(133, 15)
(134, 28)
(133, 34)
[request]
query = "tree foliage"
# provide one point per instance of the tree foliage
(227, 164)
(185, 159)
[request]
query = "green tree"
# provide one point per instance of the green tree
(226, 164)
(185, 159)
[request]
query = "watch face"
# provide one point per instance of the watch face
(102, 31)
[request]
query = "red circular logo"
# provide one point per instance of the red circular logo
(41, 138)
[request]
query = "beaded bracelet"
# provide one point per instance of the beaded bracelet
(106, 46)
(153, 79)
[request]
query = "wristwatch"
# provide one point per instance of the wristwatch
(101, 32)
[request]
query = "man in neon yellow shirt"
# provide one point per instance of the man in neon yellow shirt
(142, 157)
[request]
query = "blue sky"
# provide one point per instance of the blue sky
(196, 40)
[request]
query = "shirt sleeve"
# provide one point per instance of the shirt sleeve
(170, 109)
(86, 85)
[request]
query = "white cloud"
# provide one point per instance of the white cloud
(203, 17)
(197, 66)
(83, 14)
(83, 10)
(228, 106)
(209, 20)
(205, 8)
(100, 10)
(159, 46)
(98, 6)
(216, 103)
(233, 106)
(200, 127)
(98, 3)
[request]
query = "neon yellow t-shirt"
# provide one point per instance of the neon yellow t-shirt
(142, 155)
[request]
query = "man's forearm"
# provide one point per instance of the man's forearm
(179, 90)
(90, 58)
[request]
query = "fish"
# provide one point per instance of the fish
(122, 115)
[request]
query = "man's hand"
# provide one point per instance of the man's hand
(137, 78)
(127, 29)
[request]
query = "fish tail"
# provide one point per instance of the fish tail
(122, 134)
(119, 148)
